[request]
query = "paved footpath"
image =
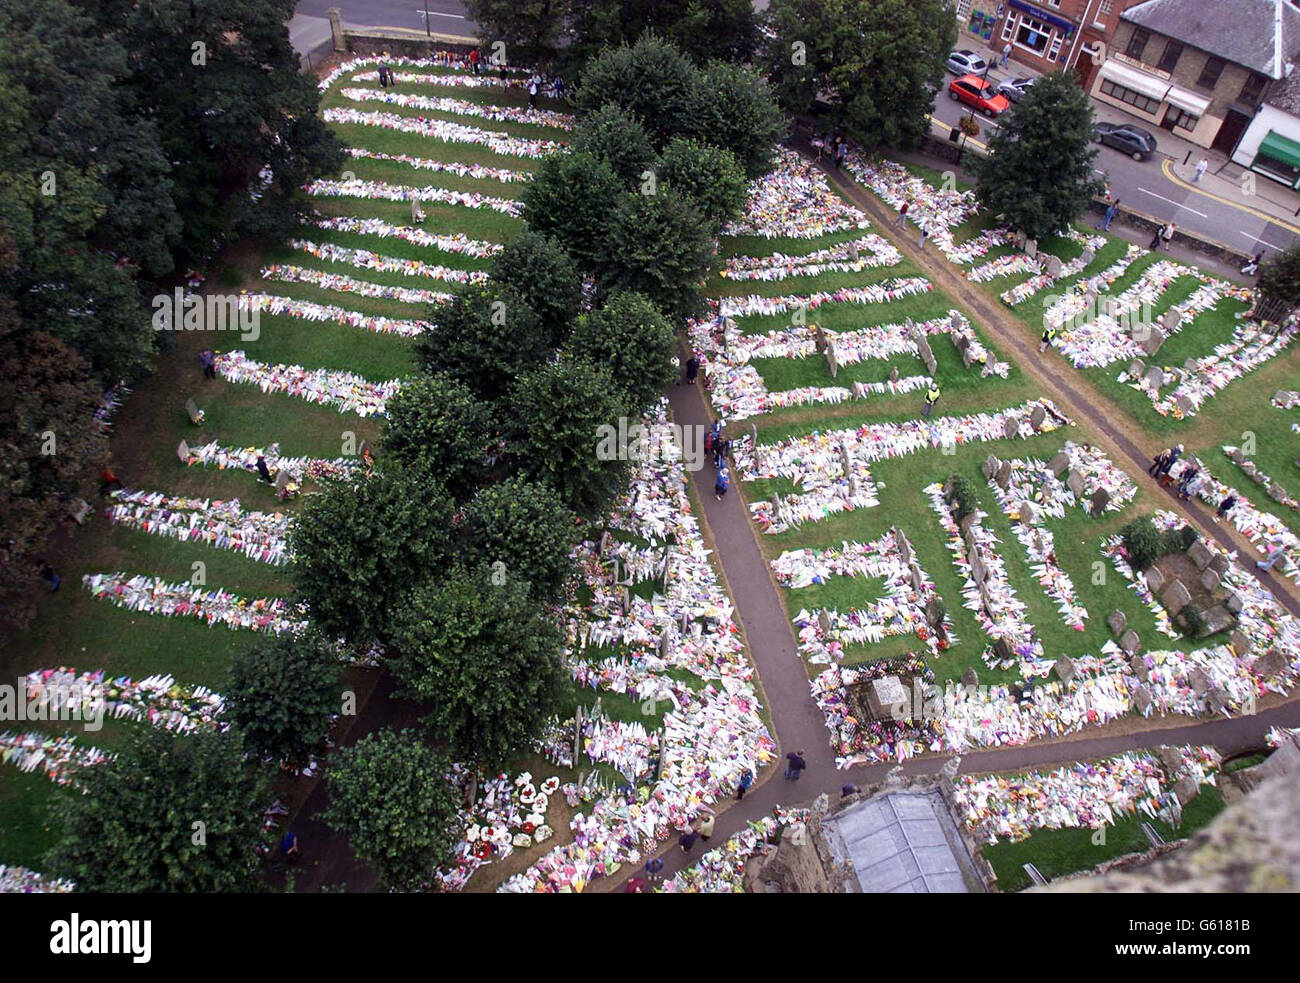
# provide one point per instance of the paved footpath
(797, 721)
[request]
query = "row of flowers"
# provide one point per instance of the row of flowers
(457, 243)
(346, 391)
(223, 524)
(437, 129)
(462, 107)
(478, 171)
(342, 283)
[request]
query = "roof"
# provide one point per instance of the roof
(901, 843)
(1286, 95)
(1240, 31)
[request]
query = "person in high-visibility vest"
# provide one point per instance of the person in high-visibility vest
(931, 397)
(1049, 335)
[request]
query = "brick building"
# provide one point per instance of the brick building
(1198, 68)
(1044, 35)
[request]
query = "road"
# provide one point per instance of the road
(309, 29)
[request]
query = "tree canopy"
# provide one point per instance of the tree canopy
(707, 177)
(570, 198)
(543, 273)
(282, 692)
(631, 339)
(437, 423)
(520, 529)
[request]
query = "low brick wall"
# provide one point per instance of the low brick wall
(403, 46)
(1149, 223)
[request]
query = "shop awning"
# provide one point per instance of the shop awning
(1054, 19)
(1281, 148)
(1131, 78)
(1186, 100)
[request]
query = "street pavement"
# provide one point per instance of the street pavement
(309, 28)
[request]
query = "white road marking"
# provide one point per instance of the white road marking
(438, 13)
(1265, 242)
(1172, 202)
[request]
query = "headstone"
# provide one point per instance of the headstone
(1036, 417)
(845, 461)
(918, 581)
(1190, 363)
(904, 548)
(663, 645)
(1217, 701)
(824, 620)
(893, 373)
(1074, 481)
(977, 572)
(1031, 248)
(832, 366)
(1218, 619)
(183, 452)
(970, 677)
(282, 480)
(1087, 256)
(1233, 602)
(819, 337)
(1199, 681)
(1064, 669)
(624, 599)
(1129, 642)
(1100, 501)
(1155, 377)
(1117, 622)
(1060, 464)
(1186, 790)
(1003, 478)
(1053, 266)
(1010, 426)
(1142, 698)
(1185, 405)
(1272, 663)
(1002, 649)
(955, 321)
(1040, 544)
(1282, 397)
(1209, 580)
(886, 694)
(1152, 342)
(1200, 554)
(991, 466)
(934, 612)
(606, 541)
(1175, 597)
(753, 437)
(1137, 368)
(192, 409)
(960, 341)
(1240, 643)
(1155, 579)
(1028, 514)
(1137, 665)
(1277, 492)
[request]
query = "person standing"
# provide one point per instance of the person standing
(847, 789)
(795, 765)
(263, 471)
(1185, 480)
(687, 839)
(1112, 208)
(1168, 234)
(720, 484)
(1155, 239)
(474, 60)
(1006, 54)
(1171, 458)
(742, 786)
(692, 369)
(925, 234)
(704, 823)
(931, 397)
(1157, 463)
(532, 92)
(1226, 506)
(1202, 166)
(902, 213)
(1049, 335)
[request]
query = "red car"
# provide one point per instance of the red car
(977, 92)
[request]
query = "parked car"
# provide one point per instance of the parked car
(1138, 143)
(975, 91)
(966, 62)
(1015, 89)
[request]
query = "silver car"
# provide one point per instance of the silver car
(1015, 89)
(966, 62)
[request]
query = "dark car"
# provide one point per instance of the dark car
(1015, 89)
(1138, 143)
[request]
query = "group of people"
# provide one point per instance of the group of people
(1190, 479)
(720, 447)
(699, 828)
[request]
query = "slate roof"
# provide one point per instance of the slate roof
(1239, 31)
(1285, 95)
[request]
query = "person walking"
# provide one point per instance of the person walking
(474, 60)
(209, 362)
(1155, 239)
(289, 847)
(925, 234)
(687, 839)
(1112, 209)
(1226, 506)
(704, 823)
(1049, 335)
(692, 369)
(742, 786)
(1171, 458)
(931, 397)
(1252, 264)
(532, 92)
(1185, 479)
(654, 870)
(1193, 486)
(795, 766)
(1006, 54)
(263, 471)
(1202, 166)
(847, 789)
(1168, 234)
(902, 213)
(1275, 553)
(720, 484)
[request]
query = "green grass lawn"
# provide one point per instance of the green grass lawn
(1057, 852)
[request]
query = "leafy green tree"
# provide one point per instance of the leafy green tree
(1039, 172)
(1279, 277)
(137, 827)
(703, 29)
(485, 338)
(559, 413)
(523, 526)
(878, 62)
(569, 199)
(529, 28)
(658, 245)
(545, 276)
(650, 79)
(630, 338)
(1141, 543)
(735, 108)
(614, 135)
(485, 658)
(961, 493)
(282, 692)
(360, 548)
(437, 422)
(391, 797)
(47, 405)
(707, 177)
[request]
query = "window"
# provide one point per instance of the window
(1253, 90)
(1009, 27)
(1055, 3)
(1033, 35)
(1103, 11)
(1211, 72)
(1180, 118)
(963, 8)
(1170, 57)
(1055, 49)
(1137, 43)
(1135, 99)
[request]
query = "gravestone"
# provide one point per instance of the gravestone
(1040, 544)
(977, 572)
(886, 694)
(1209, 580)
(960, 341)
(1185, 405)
(753, 437)
(183, 452)
(1220, 563)
(893, 373)
(1186, 790)
(663, 645)
(1053, 266)
(1137, 664)
(1237, 456)
(1004, 475)
(970, 677)
(1233, 602)
(904, 548)
(1155, 377)
(991, 465)
(1031, 248)
(1036, 417)
(845, 460)
(1129, 642)
(1087, 255)
(1152, 342)
(1200, 554)
(1028, 515)
(1218, 619)
(1175, 597)
(1074, 481)
(1136, 368)
(853, 251)
(1002, 649)
(1169, 319)
(824, 620)
(1240, 643)
(1065, 669)
(624, 599)
(606, 540)
(281, 481)
(1190, 364)
(832, 366)
(1276, 492)
(918, 582)
(1199, 681)
(1010, 426)
(1100, 501)
(934, 612)
(819, 337)
(1060, 464)
(1142, 698)
(192, 408)
(1155, 579)
(1217, 701)
(1272, 663)
(1117, 622)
